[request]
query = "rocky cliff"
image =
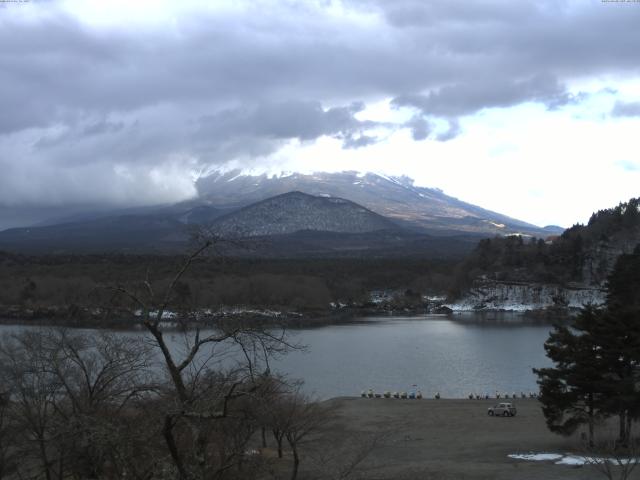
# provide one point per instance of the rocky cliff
(515, 273)
(495, 295)
(599, 260)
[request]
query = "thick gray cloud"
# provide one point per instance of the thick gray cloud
(626, 109)
(82, 104)
(420, 127)
(465, 98)
(302, 120)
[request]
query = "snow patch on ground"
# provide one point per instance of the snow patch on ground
(434, 298)
(239, 310)
(571, 460)
(469, 306)
(535, 457)
(223, 311)
(575, 460)
(166, 314)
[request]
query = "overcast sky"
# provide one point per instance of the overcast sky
(531, 109)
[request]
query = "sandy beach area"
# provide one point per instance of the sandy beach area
(453, 439)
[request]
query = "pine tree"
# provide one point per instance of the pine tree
(619, 336)
(597, 360)
(572, 392)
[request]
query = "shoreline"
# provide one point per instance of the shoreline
(86, 317)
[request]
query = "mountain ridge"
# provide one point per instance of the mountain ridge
(311, 227)
(396, 198)
(264, 206)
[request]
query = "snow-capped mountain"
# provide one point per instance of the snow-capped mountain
(396, 198)
(323, 213)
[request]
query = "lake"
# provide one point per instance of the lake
(453, 355)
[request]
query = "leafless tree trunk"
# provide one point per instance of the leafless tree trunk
(297, 417)
(612, 460)
(197, 398)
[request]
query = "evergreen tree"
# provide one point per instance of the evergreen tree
(572, 392)
(597, 360)
(619, 335)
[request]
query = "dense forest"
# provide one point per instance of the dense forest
(560, 260)
(75, 282)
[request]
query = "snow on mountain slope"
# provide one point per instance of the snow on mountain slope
(295, 211)
(396, 198)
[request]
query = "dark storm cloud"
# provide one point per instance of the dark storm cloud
(99, 127)
(77, 100)
(465, 98)
(260, 131)
(303, 120)
(491, 53)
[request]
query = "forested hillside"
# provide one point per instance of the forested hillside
(583, 254)
(71, 284)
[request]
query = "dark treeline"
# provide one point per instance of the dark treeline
(311, 284)
(557, 260)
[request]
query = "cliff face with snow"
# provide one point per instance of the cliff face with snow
(493, 295)
(511, 273)
(596, 265)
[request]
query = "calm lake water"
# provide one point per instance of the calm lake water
(453, 355)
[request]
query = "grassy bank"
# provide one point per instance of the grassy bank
(452, 439)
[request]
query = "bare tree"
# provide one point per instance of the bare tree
(612, 460)
(99, 377)
(197, 400)
(33, 392)
(185, 402)
(294, 417)
(68, 396)
(7, 432)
